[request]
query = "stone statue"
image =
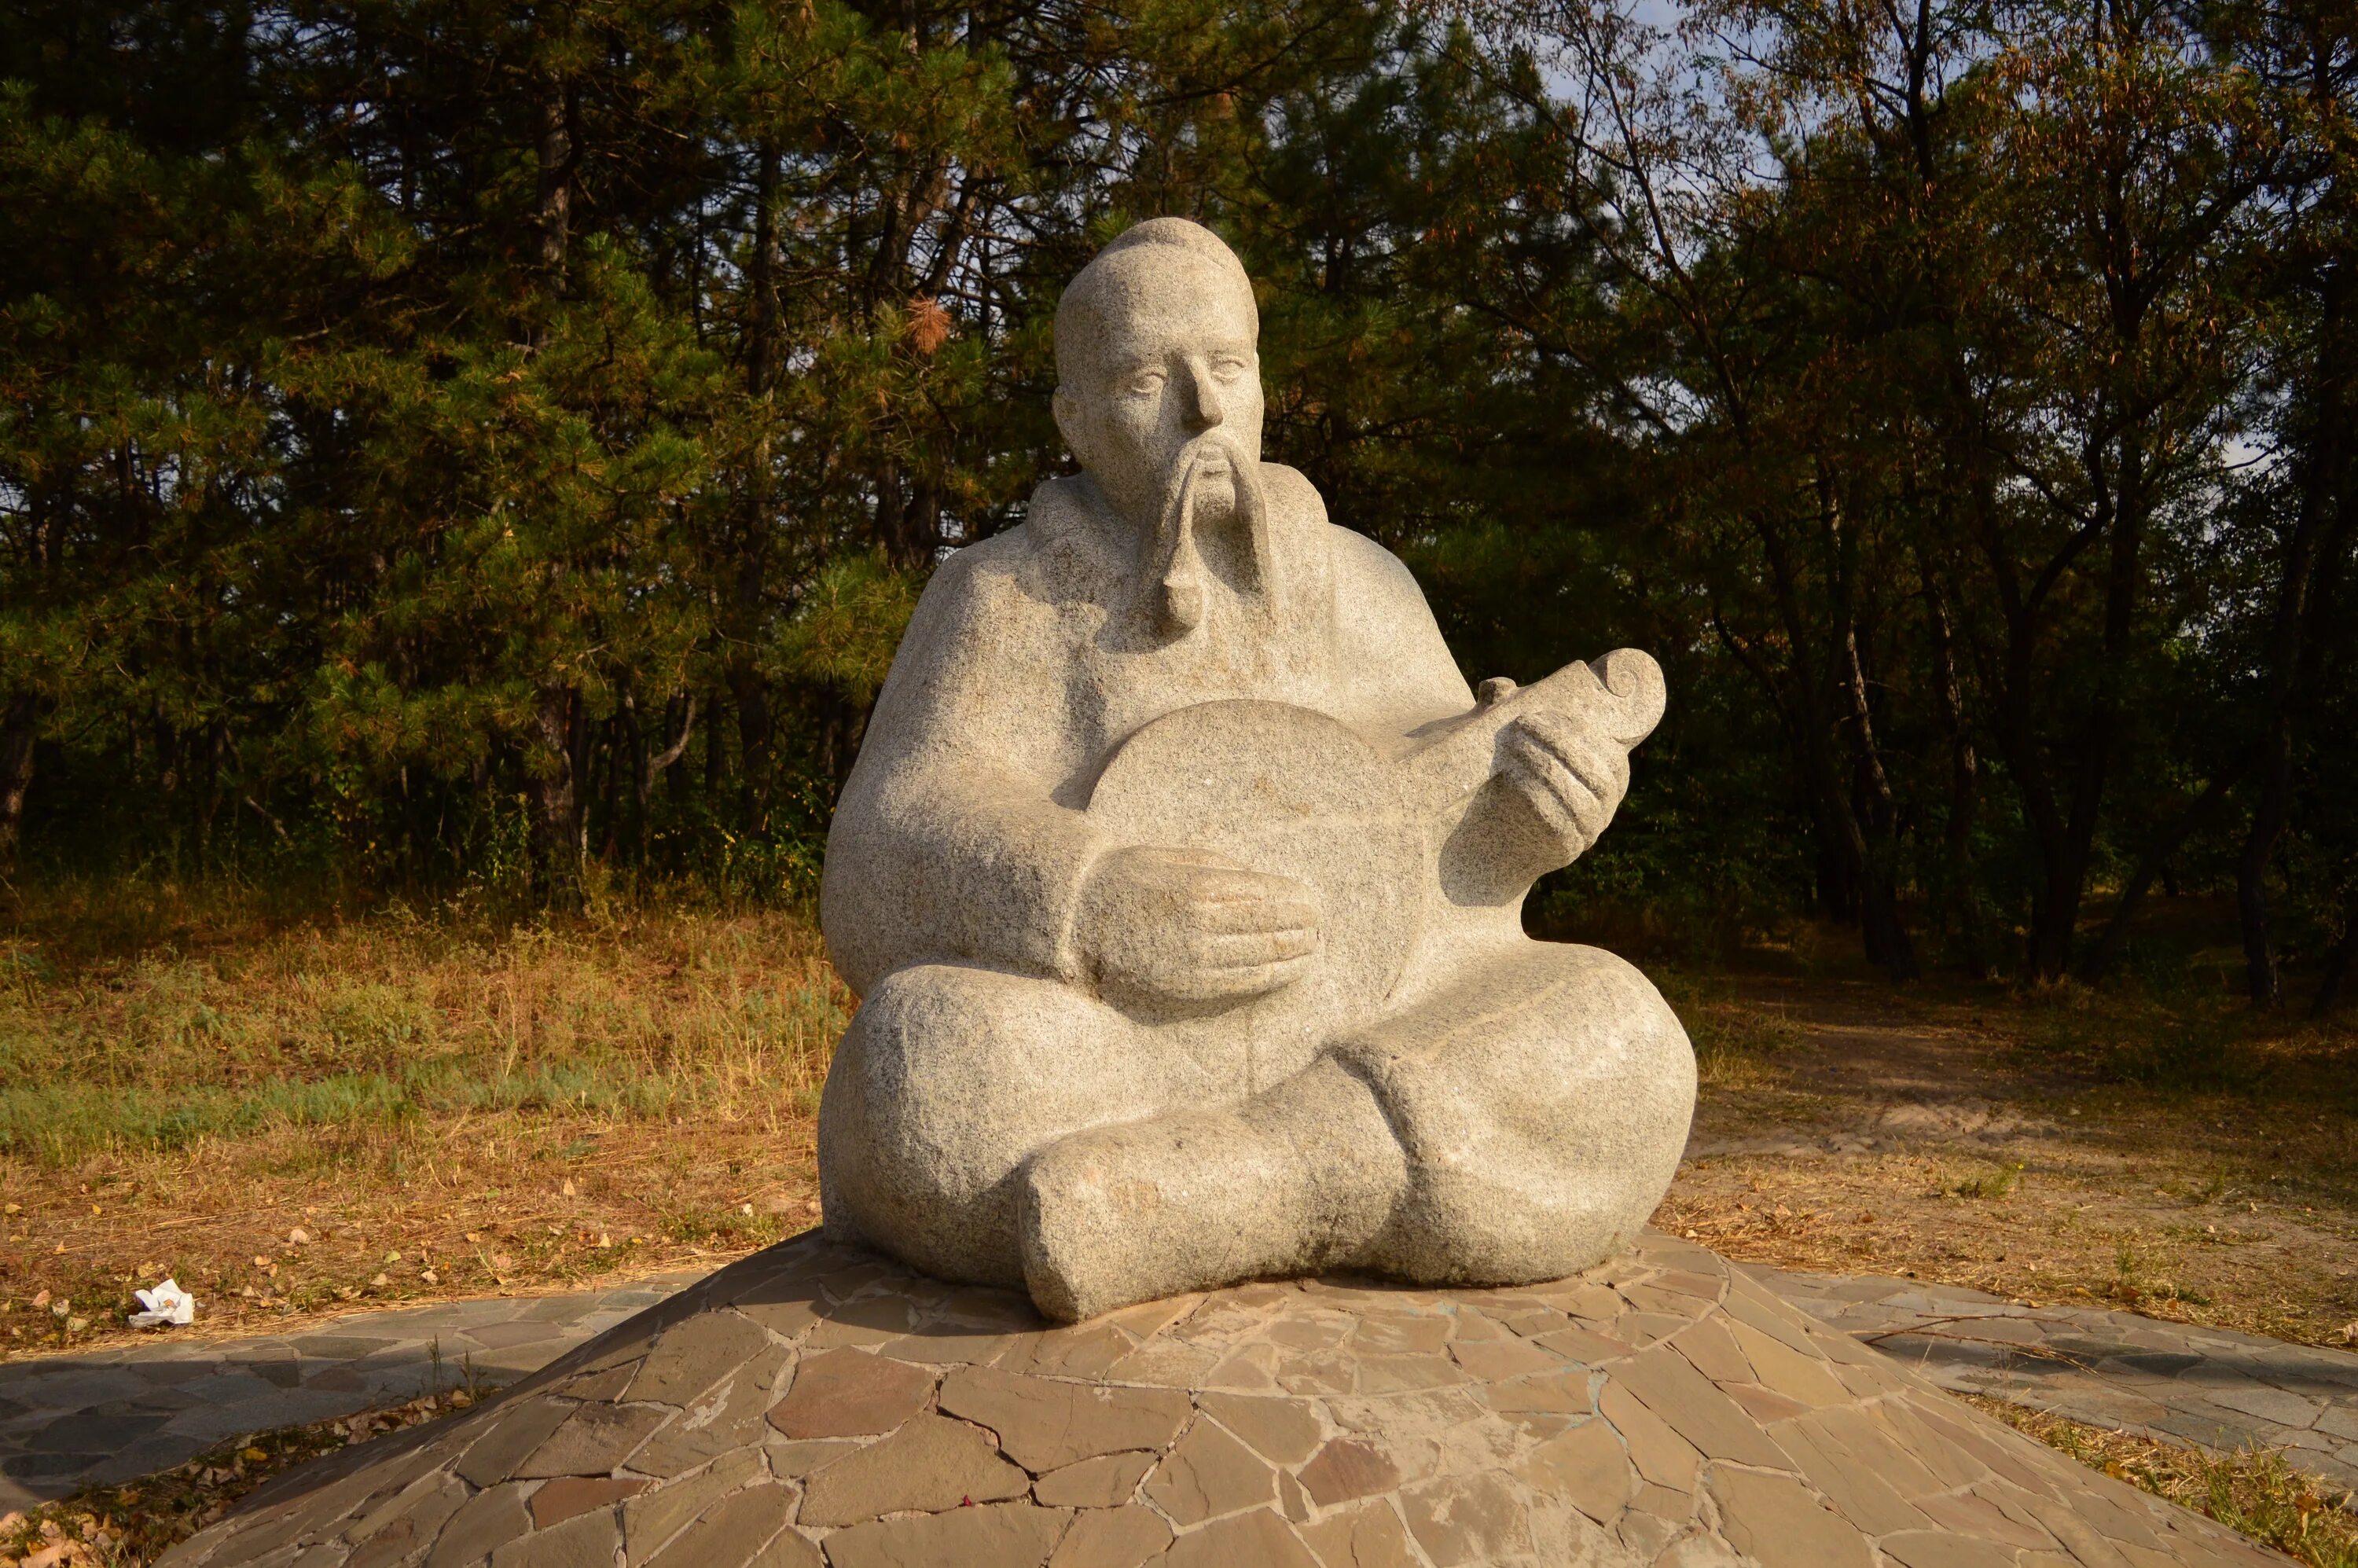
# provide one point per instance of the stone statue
(1182, 876)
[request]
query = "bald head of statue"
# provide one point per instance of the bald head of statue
(1158, 374)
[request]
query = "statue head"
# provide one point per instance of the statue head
(1159, 396)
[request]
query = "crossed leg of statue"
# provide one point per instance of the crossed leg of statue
(1516, 1126)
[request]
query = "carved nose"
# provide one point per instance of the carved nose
(1203, 408)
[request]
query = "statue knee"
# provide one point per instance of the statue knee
(1646, 1053)
(1539, 1140)
(948, 1079)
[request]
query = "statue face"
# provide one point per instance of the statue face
(1169, 376)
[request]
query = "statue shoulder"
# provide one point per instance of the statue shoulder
(1013, 587)
(1058, 517)
(989, 571)
(1368, 574)
(1292, 495)
(1065, 553)
(1360, 563)
(976, 624)
(1384, 623)
(973, 593)
(1367, 581)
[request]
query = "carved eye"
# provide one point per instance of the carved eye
(1145, 383)
(1231, 369)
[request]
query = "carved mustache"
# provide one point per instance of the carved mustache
(1179, 570)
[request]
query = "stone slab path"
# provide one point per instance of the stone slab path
(74, 1421)
(68, 1421)
(2212, 1386)
(817, 1405)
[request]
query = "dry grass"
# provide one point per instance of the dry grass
(303, 1116)
(444, 1104)
(1739, 1045)
(2255, 1491)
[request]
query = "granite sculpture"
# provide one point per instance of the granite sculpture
(1181, 874)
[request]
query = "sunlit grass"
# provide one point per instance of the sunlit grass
(1737, 1044)
(2259, 1492)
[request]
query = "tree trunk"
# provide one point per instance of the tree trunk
(1801, 713)
(748, 603)
(20, 728)
(716, 769)
(2067, 885)
(1885, 937)
(908, 519)
(632, 742)
(553, 760)
(1864, 812)
(679, 723)
(1961, 891)
(1842, 867)
(2320, 534)
(2337, 963)
(2065, 832)
(556, 184)
(553, 764)
(2261, 982)
(213, 749)
(611, 801)
(1837, 888)
(761, 331)
(754, 733)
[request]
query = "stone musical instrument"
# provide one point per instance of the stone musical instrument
(1296, 793)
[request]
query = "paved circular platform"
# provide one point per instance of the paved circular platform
(817, 1405)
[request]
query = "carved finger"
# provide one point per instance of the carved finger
(1228, 880)
(1249, 901)
(1249, 916)
(1603, 769)
(1246, 949)
(1596, 762)
(1210, 983)
(1197, 859)
(1286, 971)
(1557, 730)
(1577, 741)
(1567, 805)
(1542, 764)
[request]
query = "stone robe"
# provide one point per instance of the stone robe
(1537, 1093)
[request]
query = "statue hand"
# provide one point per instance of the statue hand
(1187, 926)
(1572, 778)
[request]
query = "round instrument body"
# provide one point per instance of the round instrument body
(1294, 792)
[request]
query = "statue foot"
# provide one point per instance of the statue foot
(1299, 1179)
(1127, 1213)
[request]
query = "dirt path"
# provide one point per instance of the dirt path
(2007, 1145)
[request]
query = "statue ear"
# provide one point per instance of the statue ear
(1073, 424)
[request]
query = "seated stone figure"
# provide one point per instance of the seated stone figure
(1181, 874)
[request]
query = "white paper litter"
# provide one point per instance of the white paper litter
(167, 1303)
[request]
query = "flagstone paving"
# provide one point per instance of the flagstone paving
(67, 1421)
(817, 1405)
(2212, 1387)
(70, 1421)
